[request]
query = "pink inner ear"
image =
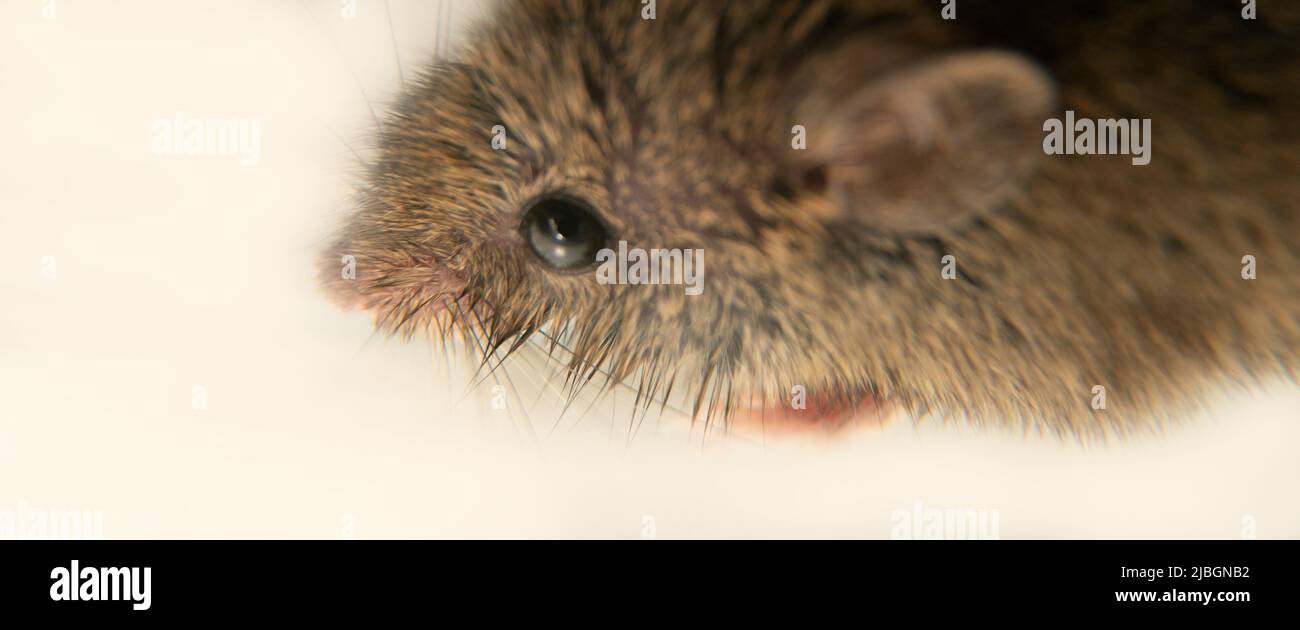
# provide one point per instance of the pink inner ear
(932, 146)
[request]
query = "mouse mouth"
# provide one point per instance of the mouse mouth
(816, 412)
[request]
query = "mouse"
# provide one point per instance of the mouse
(886, 216)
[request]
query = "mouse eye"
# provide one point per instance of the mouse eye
(564, 233)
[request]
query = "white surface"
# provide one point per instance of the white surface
(181, 271)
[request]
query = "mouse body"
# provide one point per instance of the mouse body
(872, 186)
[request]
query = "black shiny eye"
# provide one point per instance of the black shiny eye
(564, 233)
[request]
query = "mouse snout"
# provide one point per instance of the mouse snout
(403, 291)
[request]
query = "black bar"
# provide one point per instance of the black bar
(443, 580)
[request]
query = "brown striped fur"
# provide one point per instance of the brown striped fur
(677, 130)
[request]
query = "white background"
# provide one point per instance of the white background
(174, 272)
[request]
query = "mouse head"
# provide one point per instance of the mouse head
(804, 148)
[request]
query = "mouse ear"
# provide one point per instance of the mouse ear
(930, 146)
